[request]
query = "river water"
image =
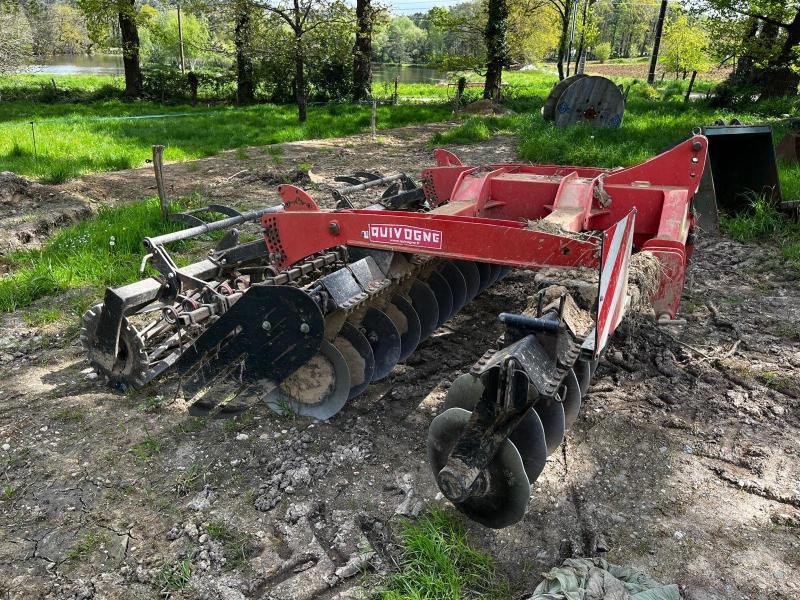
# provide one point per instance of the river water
(99, 64)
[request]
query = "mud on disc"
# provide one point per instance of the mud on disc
(528, 436)
(319, 389)
(506, 497)
(358, 354)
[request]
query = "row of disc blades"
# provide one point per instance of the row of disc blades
(521, 458)
(368, 350)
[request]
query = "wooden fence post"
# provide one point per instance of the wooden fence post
(158, 168)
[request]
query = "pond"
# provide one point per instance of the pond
(104, 64)
(96, 64)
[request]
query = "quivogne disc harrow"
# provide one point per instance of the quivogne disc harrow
(331, 300)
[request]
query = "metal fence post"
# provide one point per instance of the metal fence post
(158, 168)
(374, 115)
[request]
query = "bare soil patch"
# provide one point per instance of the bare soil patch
(684, 460)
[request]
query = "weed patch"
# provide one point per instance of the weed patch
(86, 545)
(237, 547)
(438, 563)
(147, 448)
(175, 576)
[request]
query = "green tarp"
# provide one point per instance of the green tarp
(598, 579)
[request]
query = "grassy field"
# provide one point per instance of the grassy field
(81, 126)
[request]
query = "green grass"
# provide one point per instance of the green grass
(765, 223)
(103, 250)
(438, 563)
(77, 138)
(86, 545)
(147, 448)
(43, 316)
(175, 576)
(237, 547)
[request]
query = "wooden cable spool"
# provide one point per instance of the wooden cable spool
(585, 99)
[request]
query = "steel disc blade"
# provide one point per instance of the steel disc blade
(407, 321)
(444, 296)
(528, 436)
(584, 373)
(504, 270)
(424, 302)
(457, 283)
(485, 272)
(531, 443)
(496, 270)
(358, 353)
(318, 389)
(506, 498)
(472, 277)
(571, 398)
(464, 392)
(384, 338)
(552, 417)
(593, 366)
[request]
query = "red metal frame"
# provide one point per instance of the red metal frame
(489, 213)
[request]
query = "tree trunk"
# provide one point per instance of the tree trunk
(496, 48)
(245, 86)
(130, 50)
(562, 42)
(651, 74)
(300, 79)
(362, 52)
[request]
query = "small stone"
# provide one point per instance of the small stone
(92, 376)
(777, 410)
(6, 447)
(242, 437)
(679, 535)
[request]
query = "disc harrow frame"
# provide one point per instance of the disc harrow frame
(331, 300)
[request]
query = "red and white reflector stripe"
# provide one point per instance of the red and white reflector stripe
(614, 264)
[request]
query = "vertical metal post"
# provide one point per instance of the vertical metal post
(180, 39)
(33, 135)
(374, 115)
(396, 81)
(158, 169)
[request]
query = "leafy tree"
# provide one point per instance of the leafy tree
(161, 41)
(303, 17)
(533, 30)
(98, 14)
(16, 42)
(400, 41)
(683, 47)
(602, 51)
(770, 43)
